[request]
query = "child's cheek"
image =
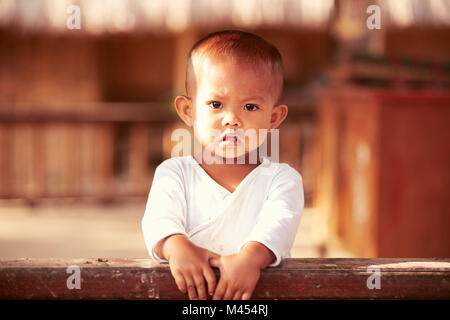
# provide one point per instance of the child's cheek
(206, 134)
(254, 138)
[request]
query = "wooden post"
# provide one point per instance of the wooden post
(5, 160)
(73, 148)
(104, 161)
(138, 169)
(38, 162)
(87, 159)
(292, 279)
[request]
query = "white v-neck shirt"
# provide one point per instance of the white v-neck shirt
(265, 207)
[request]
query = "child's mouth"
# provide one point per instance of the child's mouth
(230, 140)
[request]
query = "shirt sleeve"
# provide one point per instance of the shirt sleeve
(280, 215)
(165, 212)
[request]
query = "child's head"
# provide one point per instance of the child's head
(234, 80)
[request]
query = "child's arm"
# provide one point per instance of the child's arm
(189, 265)
(240, 272)
(269, 241)
(164, 230)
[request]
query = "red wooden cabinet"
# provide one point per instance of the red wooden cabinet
(383, 166)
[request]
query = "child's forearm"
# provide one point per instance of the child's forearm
(164, 247)
(259, 254)
(189, 265)
(240, 272)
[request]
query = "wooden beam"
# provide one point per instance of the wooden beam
(89, 113)
(293, 279)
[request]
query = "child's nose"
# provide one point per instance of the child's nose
(230, 119)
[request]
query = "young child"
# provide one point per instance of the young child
(239, 217)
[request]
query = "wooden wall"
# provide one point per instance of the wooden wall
(419, 43)
(49, 80)
(384, 173)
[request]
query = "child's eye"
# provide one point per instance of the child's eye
(250, 106)
(215, 105)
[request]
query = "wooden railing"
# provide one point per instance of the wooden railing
(97, 151)
(292, 279)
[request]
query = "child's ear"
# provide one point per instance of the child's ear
(279, 113)
(184, 108)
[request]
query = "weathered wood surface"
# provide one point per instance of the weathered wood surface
(293, 279)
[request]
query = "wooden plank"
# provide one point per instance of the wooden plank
(383, 171)
(358, 187)
(6, 147)
(414, 179)
(55, 140)
(87, 154)
(89, 112)
(73, 164)
(104, 161)
(327, 147)
(38, 163)
(138, 168)
(293, 279)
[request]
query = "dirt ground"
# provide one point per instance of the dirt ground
(94, 231)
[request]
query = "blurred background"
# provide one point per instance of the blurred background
(86, 115)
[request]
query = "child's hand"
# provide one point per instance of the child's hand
(238, 277)
(190, 267)
(240, 272)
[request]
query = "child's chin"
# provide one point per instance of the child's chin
(232, 156)
(230, 153)
(229, 157)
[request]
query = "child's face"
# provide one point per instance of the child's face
(233, 96)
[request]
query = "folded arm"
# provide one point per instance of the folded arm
(164, 230)
(189, 265)
(269, 241)
(240, 272)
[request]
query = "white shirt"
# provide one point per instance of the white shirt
(265, 207)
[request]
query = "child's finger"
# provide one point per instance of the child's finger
(237, 295)
(247, 295)
(210, 277)
(229, 293)
(190, 286)
(215, 262)
(220, 290)
(200, 285)
(213, 255)
(179, 280)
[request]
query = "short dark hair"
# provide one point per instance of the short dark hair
(234, 43)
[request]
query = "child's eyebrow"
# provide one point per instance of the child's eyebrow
(210, 96)
(220, 97)
(254, 98)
